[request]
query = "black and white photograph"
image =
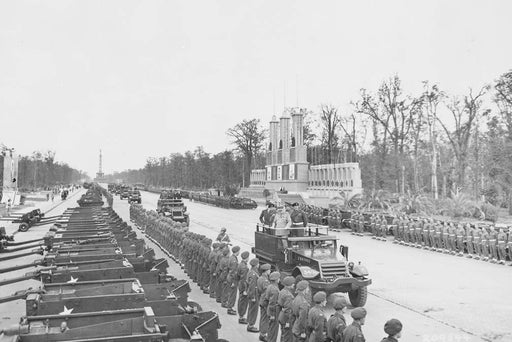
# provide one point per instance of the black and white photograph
(268, 170)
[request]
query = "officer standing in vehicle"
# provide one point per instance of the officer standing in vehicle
(281, 222)
(253, 295)
(267, 214)
(299, 219)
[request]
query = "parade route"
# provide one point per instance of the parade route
(438, 297)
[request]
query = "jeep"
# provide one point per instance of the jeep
(315, 257)
(134, 196)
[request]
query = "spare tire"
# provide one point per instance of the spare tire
(24, 226)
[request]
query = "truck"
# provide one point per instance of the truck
(173, 208)
(312, 255)
(134, 196)
(125, 192)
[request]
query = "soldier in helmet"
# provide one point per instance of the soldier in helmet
(477, 241)
(485, 244)
(492, 245)
(223, 237)
(460, 239)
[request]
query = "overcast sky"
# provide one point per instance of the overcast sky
(149, 78)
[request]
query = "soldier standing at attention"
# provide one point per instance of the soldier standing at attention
(212, 258)
(252, 295)
(492, 245)
(336, 323)
(300, 309)
(469, 240)
(502, 240)
(223, 237)
(393, 328)
(263, 283)
(383, 228)
(284, 301)
(452, 233)
(353, 332)
(353, 222)
(232, 280)
(222, 266)
(445, 233)
(241, 275)
(272, 294)
(460, 238)
(485, 244)
(477, 241)
(298, 219)
(317, 323)
(509, 245)
(373, 226)
(267, 214)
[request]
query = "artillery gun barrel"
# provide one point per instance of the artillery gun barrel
(19, 243)
(20, 255)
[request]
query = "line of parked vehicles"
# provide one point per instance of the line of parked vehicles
(131, 193)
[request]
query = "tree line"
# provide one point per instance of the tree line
(430, 143)
(40, 170)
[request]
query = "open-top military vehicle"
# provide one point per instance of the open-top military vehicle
(173, 208)
(313, 256)
(134, 196)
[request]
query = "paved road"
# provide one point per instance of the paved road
(437, 297)
(11, 312)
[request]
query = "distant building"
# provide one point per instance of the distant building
(287, 167)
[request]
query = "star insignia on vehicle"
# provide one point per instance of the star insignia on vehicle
(66, 311)
(72, 280)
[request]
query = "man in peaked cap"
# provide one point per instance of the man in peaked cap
(353, 332)
(241, 275)
(317, 323)
(284, 303)
(272, 295)
(300, 309)
(337, 323)
(263, 282)
(252, 295)
(393, 328)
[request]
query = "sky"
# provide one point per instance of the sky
(149, 78)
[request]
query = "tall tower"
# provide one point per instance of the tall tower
(100, 174)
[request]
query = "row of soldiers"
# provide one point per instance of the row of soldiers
(216, 268)
(488, 243)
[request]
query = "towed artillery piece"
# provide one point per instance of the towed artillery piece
(140, 324)
(313, 256)
(32, 218)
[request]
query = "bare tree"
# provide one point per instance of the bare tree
(329, 124)
(351, 129)
(431, 98)
(396, 113)
(248, 138)
(465, 111)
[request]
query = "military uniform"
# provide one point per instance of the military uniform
(492, 245)
(272, 295)
(300, 309)
(502, 240)
(335, 326)
(252, 296)
(263, 283)
(232, 281)
(317, 324)
(241, 274)
(353, 333)
(284, 301)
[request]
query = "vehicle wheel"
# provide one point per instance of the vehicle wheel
(358, 297)
(23, 227)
